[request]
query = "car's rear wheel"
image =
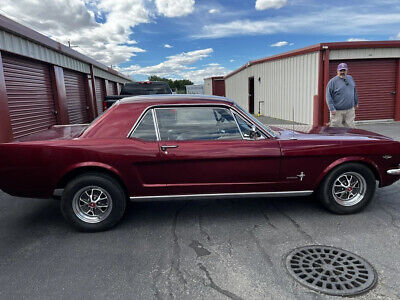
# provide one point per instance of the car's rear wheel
(347, 189)
(93, 202)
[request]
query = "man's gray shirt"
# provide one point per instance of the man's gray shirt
(340, 96)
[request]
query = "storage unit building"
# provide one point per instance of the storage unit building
(214, 86)
(195, 89)
(292, 85)
(44, 83)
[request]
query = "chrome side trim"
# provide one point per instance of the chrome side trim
(394, 172)
(223, 195)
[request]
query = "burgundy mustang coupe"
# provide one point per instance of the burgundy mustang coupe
(170, 147)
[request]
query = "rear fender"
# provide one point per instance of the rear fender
(95, 165)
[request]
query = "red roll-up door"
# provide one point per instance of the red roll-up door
(30, 95)
(219, 87)
(75, 87)
(100, 93)
(375, 81)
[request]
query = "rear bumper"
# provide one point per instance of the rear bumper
(395, 172)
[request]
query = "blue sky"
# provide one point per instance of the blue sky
(194, 39)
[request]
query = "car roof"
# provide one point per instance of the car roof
(175, 99)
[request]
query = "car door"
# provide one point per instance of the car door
(145, 161)
(204, 151)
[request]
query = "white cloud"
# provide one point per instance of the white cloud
(72, 20)
(168, 46)
(280, 44)
(175, 8)
(357, 40)
(180, 66)
(291, 44)
(231, 60)
(213, 11)
(325, 21)
(267, 4)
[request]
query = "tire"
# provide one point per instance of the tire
(79, 210)
(334, 197)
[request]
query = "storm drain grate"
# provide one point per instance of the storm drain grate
(331, 270)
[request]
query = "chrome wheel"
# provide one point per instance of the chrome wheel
(92, 204)
(349, 189)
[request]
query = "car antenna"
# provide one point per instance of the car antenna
(292, 137)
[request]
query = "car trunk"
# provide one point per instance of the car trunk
(56, 132)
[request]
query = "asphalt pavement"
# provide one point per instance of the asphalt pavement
(203, 249)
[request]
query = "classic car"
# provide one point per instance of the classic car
(187, 147)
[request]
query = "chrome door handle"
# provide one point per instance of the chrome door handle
(166, 147)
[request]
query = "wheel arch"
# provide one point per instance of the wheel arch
(359, 160)
(81, 169)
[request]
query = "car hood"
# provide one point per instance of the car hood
(56, 132)
(329, 133)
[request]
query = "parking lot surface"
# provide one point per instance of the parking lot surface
(203, 249)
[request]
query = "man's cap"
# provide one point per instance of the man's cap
(342, 66)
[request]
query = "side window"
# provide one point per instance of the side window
(145, 129)
(196, 123)
(245, 128)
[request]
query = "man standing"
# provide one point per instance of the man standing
(342, 98)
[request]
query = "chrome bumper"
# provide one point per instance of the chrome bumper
(394, 172)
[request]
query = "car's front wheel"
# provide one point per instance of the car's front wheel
(347, 189)
(93, 202)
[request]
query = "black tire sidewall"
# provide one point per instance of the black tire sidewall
(107, 183)
(325, 190)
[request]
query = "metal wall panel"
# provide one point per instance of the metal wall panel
(100, 93)
(208, 86)
(376, 86)
(18, 45)
(75, 87)
(109, 76)
(287, 86)
(365, 53)
(30, 95)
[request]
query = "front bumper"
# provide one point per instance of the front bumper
(394, 172)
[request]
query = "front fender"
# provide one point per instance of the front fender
(355, 159)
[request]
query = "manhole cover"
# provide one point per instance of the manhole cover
(331, 270)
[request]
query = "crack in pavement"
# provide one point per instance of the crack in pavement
(298, 227)
(216, 287)
(267, 219)
(202, 230)
(175, 264)
(265, 255)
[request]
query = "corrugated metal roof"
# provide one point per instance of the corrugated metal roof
(19, 39)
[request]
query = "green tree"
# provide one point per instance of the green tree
(178, 86)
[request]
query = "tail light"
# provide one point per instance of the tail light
(104, 106)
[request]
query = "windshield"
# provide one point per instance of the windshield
(265, 127)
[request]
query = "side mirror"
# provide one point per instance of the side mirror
(253, 132)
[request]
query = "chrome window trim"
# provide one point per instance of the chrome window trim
(224, 195)
(237, 124)
(139, 120)
(153, 111)
(235, 108)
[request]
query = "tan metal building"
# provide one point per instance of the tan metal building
(291, 86)
(44, 83)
